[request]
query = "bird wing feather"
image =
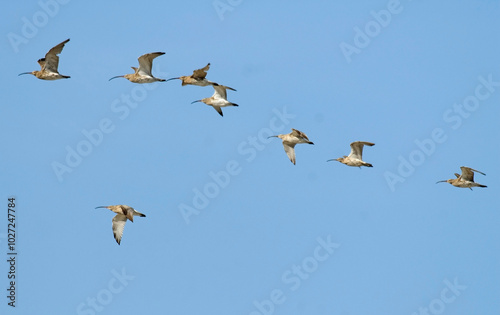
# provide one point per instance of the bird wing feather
(200, 74)
(118, 224)
(219, 110)
(290, 151)
(51, 59)
(357, 149)
(128, 212)
(468, 173)
(41, 62)
(146, 62)
(220, 91)
(299, 134)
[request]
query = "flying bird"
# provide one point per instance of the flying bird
(197, 78)
(123, 212)
(218, 99)
(143, 73)
(290, 140)
(355, 157)
(49, 64)
(466, 180)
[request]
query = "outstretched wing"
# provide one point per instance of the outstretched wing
(468, 173)
(219, 110)
(146, 62)
(220, 91)
(118, 221)
(357, 149)
(51, 60)
(290, 151)
(299, 134)
(200, 74)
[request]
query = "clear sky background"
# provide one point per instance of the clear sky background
(232, 226)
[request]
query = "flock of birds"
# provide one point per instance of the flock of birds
(49, 71)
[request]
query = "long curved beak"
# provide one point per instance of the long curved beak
(172, 79)
(337, 159)
(24, 73)
(442, 181)
(118, 76)
(101, 207)
(195, 101)
(272, 137)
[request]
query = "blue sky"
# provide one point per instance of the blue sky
(232, 226)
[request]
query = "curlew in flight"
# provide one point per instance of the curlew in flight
(290, 140)
(355, 157)
(49, 64)
(219, 99)
(197, 78)
(466, 180)
(123, 213)
(143, 73)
